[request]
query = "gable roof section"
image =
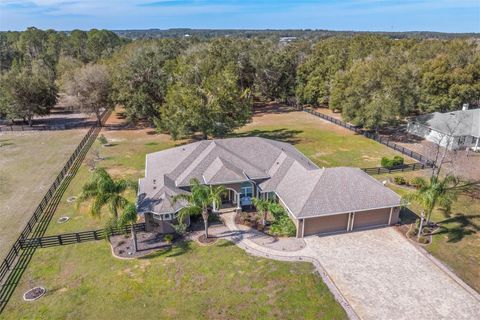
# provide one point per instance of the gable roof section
(345, 189)
(456, 123)
(221, 171)
(306, 190)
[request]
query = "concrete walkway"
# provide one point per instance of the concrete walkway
(374, 274)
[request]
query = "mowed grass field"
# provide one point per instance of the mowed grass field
(188, 282)
(29, 163)
(458, 242)
(326, 144)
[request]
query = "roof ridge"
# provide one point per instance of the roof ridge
(240, 157)
(322, 171)
(196, 161)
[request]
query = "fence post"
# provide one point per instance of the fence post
(95, 234)
(78, 237)
(60, 240)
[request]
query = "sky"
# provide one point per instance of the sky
(357, 15)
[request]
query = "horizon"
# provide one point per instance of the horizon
(443, 16)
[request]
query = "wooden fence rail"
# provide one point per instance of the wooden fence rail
(385, 141)
(78, 237)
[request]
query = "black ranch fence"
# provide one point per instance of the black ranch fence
(403, 168)
(385, 141)
(78, 237)
(9, 261)
(69, 126)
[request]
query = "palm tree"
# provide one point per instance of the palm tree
(262, 207)
(200, 198)
(129, 216)
(437, 192)
(103, 191)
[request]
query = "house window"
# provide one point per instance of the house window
(167, 216)
(246, 189)
(246, 194)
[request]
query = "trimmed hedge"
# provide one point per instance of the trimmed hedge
(392, 163)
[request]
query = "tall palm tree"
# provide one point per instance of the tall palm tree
(129, 217)
(437, 192)
(200, 198)
(105, 191)
(262, 207)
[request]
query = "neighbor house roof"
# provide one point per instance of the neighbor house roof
(304, 188)
(455, 123)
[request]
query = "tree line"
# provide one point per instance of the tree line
(190, 85)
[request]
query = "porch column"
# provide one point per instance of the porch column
(476, 144)
(239, 207)
(390, 218)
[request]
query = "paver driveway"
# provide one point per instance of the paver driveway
(383, 276)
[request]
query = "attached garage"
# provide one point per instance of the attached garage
(371, 218)
(327, 224)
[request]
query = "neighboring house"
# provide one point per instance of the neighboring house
(452, 130)
(318, 200)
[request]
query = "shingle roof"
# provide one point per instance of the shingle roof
(276, 166)
(456, 123)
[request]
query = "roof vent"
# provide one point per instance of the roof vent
(154, 187)
(154, 181)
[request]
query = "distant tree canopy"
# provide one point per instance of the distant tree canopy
(206, 83)
(206, 93)
(140, 74)
(33, 64)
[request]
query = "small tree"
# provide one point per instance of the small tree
(129, 216)
(103, 140)
(88, 90)
(103, 191)
(262, 207)
(199, 200)
(438, 192)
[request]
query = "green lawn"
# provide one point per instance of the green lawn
(324, 143)
(189, 282)
(125, 158)
(458, 245)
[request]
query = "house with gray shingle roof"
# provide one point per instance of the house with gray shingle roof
(318, 200)
(453, 130)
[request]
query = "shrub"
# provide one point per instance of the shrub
(283, 227)
(277, 211)
(103, 140)
(423, 240)
(168, 238)
(416, 182)
(399, 180)
(391, 163)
